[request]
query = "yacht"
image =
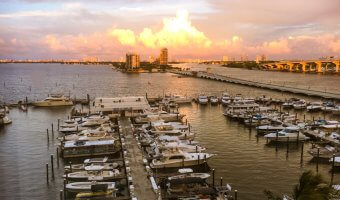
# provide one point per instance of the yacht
(336, 110)
(324, 152)
(314, 106)
(203, 100)
(81, 167)
(54, 100)
(188, 173)
(179, 159)
(269, 128)
(89, 186)
(93, 173)
(299, 105)
(213, 100)
(181, 99)
(226, 99)
(291, 133)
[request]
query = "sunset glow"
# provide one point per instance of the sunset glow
(111, 28)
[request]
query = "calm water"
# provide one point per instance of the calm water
(243, 160)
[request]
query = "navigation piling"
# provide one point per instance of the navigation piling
(52, 167)
(333, 162)
(58, 157)
(301, 159)
(213, 177)
(48, 137)
(47, 173)
(287, 147)
(317, 161)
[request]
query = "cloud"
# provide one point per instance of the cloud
(124, 36)
(176, 32)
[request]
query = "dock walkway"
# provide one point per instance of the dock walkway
(142, 185)
(212, 76)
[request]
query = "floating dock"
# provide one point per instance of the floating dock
(141, 184)
(212, 76)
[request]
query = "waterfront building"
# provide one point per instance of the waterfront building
(163, 57)
(132, 61)
(225, 59)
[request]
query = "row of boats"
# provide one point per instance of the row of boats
(170, 145)
(298, 104)
(92, 140)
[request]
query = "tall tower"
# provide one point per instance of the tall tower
(132, 61)
(163, 57)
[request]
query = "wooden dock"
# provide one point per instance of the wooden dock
(212, 76)
(142, 186)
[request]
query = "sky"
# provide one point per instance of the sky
(204, 29)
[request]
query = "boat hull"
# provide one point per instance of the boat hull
(52, 104)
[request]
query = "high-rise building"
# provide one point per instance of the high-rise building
(225, 59)
(132, 61)
(151, 59)
(163, 57)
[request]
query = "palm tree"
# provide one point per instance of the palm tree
(310, 187)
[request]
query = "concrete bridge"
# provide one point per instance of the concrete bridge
(281, 88)
(313, 66)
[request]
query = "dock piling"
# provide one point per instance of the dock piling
(52, 166)
(58, 124)
(65, 192)
(47, 173)
(235, 195)
(287, 147)
(58, 157)
(61, 194)
(213, 177)
(221, 181)
(52, 129)
(317, 161)
(333, 163)
(276, 140)
(301, 159)
(48, 137)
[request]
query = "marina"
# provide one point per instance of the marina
(123, 124)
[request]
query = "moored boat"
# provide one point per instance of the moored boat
(54, 100)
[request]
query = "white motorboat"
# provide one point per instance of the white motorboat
(290, 134)
(178, 146)
(89, 186)
(166, 138)
(324, 152)
(203, 100)
(81, 167)
(301, 104)
(213, 100)
(94, 173)
(6, 120)
(314, 106)
(269, 128)
(188, 173)
(226, 99)
(180, 99)
(336, 110)
(100, 135)
(96, 160)
(179, 159)
(54, 100)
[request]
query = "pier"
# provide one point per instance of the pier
(212, 76)
(142, 186)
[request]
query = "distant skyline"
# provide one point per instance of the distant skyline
(204, 29)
